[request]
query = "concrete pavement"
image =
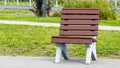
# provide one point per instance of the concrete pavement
(47, 62)
(30, 23)
(53, 24)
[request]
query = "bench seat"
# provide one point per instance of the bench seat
(72, 40)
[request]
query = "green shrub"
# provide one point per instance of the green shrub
(56, 14)
(107, 10)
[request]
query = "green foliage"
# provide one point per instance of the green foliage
(61, 1)
(56, 14)
(107, 10)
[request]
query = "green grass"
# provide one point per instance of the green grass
(25, 15)
(36, 41)
(109, 22)
(13, 3)
(26, 40)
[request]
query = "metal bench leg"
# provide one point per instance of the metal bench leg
(94, 55)
(58, 53)
(64, 51)
(88, 53)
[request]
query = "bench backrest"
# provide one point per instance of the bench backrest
(79, 22)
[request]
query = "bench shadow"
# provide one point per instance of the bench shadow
(77, 60)
(71, 60)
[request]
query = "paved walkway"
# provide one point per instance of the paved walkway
(53, 24)
(40, 62)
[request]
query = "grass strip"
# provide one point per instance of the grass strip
(22, 40)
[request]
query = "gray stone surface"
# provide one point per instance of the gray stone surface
(47, 62)
(117, 10)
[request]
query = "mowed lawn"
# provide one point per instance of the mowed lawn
(26, 15)
(22, 40)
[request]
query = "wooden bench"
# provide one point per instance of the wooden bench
(78, 26)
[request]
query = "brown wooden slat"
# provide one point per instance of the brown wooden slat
(78, 33)
(80, 11)
(79, 22)
(72, 40)
(80, 17)
(82, 27)
(70, 37)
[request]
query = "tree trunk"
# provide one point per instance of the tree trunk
(39, 9)
(48, 7)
